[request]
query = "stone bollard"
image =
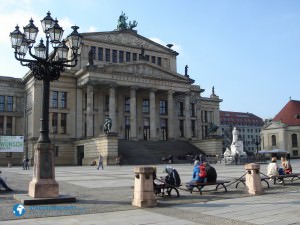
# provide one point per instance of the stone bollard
(143, 195)
(253, 181)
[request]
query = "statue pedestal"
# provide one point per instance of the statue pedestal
(104, 144)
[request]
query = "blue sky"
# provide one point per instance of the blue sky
(249, 50)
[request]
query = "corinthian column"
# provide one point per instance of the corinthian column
(133, 109)
(152, 115)
(170, 114)
(187, 116)
(89, 111)
(112, 107)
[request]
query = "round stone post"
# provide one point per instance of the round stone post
(253, 181)
(143, 187)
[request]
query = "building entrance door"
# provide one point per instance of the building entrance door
(127, 132)
(80, 154)
(164, 129)
(146, 133)
(164, 133)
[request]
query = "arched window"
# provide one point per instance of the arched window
(273, 137)
(294, 140)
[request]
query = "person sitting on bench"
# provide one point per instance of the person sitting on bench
(3, 184)
(286, 164)
(211, 173)
(199, 174)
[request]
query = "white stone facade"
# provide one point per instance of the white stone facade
(143, 95)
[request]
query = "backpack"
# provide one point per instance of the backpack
(211, 173)
(202, 173)
(173, 178)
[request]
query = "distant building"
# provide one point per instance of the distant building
(12, 92)
(248, 125)
(283, 131)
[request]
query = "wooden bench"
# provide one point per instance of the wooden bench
(283, 177)
(243, 181)
(199, 185)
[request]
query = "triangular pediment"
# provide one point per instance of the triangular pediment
(143, 69)
(274, 125)
(126, 38)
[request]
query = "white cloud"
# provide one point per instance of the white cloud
(92, 29)
(176, 47)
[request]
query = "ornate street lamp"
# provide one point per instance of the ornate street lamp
(47, 66)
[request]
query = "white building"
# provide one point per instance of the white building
(132, 80)
(283, 132)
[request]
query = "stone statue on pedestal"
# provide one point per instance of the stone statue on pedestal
(107, 125)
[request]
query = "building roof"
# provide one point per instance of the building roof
(289, 114)
(240, 119)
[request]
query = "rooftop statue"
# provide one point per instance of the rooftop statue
(123, 25)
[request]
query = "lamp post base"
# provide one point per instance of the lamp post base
(46, 188)
(43, 184)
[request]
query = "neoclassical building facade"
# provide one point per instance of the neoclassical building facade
(283, 131)
(132, 80)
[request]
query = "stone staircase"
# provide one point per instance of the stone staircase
(152, 152)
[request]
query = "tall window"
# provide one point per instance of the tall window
(54, 123)
(159, 61)
(54, 99)
(93, 48)
(1, 125)
(9, 125)
(127, 121)
(10, 102)
(106, 106)
(114, 56)
(146, 106)
(107, 55)
(127, 104)
(121, 56)
(2, 103)
(127, 56)
(63, 123)
(294, 140)
(273, 137)
(181, 128)
(63, 100)
(163, 107)
(153, 59)
(193, 126)
(100, 54)
(134, 56)
(193, 109)
(181, 108)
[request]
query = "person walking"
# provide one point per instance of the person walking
(100, 162)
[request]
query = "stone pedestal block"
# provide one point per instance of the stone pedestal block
(253, 181)
(143, 187)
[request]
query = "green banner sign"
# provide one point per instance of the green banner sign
(11, 143)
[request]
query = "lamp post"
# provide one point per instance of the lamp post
(256, 141)
(45, 64)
